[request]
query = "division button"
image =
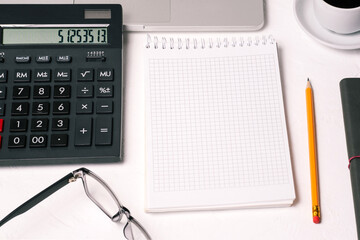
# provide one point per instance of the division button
(103, 131)
(59, 140)
(83, 133)
(84, 91)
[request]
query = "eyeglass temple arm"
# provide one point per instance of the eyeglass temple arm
(37, 198)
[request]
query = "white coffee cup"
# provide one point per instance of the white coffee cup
(337, 19)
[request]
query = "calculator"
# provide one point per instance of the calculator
(60, 84)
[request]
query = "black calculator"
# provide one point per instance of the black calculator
(60, 84)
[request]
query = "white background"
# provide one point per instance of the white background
(68, 214)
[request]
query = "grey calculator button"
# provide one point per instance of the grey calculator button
(103, 107)
(2, 92)
(22, 75)
(84, 91)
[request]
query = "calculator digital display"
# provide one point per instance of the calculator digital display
(71, 35)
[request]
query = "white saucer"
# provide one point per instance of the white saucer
(304, 12)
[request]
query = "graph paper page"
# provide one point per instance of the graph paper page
(215, 129)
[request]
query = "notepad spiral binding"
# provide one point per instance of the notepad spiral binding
(202, 43)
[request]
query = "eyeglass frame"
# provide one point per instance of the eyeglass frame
(72, 177)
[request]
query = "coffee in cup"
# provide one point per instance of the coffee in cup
(340, 16)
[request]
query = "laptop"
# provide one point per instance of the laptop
(192, 15)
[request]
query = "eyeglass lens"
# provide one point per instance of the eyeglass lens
(134, 231)
(101, 195)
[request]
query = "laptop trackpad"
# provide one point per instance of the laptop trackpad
(140, 12)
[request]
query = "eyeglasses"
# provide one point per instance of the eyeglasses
(99, 193)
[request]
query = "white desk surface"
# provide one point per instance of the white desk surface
(68, 214)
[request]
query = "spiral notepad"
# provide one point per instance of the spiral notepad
(215, 125)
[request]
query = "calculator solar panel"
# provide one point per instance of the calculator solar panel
(60, 84)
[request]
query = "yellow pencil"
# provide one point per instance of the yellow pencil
(312, 153)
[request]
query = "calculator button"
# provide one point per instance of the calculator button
(2, 92)
(63, 59)
(59, 140)
(43, 59)
(0, 141)
(84, 107)
(62, 75)
(85, 75)
(61, 108)
(60, 124)
(103, 131)
(20, 109)
(16, 141)
(42, 75)
(105, 74)
(22, 75)
(104, 91)
(104, 107)
(84, 91)
(23, 59)
(62, 91)
(39, 124)
(41, 92)
(83, 127)
(38, 141)
(2, 109)
(18, 125)
(41, 108)
(21, 92)
(1, 125)
(3, 76)
(2, 60)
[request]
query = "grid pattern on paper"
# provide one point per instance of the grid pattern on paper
(216, 123)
